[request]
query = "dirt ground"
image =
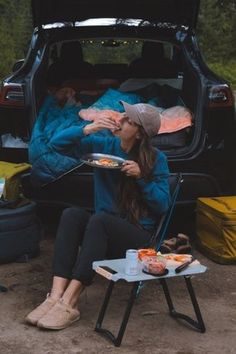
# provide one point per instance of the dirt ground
(150, 328)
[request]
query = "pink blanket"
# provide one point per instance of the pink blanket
(174, 119)
(94, 114)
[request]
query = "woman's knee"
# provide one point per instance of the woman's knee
(96, 224)
(73, 213)
(98, 218)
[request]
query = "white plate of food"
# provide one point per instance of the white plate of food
(103, 160)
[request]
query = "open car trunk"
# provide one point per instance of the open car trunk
(75, 186)
(183, 88)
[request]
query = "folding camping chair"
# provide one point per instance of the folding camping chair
(175, 180)
(159, 236)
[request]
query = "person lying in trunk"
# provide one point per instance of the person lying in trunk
(128, 205)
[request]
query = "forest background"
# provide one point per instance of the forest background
(216, 33)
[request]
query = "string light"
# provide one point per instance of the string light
(112, 42)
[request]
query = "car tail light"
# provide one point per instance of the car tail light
(220, 96)
(12, 95)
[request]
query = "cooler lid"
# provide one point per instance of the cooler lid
(221, 206)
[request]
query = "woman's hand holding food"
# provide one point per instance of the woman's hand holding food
(102, 123)
(131, 169)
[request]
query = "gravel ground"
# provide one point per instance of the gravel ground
(150, 328)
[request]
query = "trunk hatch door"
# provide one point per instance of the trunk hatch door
(175, 12)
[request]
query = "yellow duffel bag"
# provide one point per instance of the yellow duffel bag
(10, 174)
(216, 228)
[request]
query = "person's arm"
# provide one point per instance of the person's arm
(71, 141)
(81, 138)
(156, 192)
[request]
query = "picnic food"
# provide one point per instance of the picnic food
(144, 253)
(105, 162)
(156, 266)
(178, 257)
(152, 261)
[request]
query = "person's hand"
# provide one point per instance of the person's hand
(131, 169)
(102, 123)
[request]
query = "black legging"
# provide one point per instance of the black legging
(101, 236)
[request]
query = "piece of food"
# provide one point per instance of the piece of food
(155, 266)
(105, 162)
(145, 253)
(178, 257)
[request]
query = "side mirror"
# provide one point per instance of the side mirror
(17, 65)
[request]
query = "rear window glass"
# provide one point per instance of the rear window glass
(111, 51)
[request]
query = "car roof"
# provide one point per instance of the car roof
(175, 12)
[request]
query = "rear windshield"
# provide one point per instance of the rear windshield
(110, 51)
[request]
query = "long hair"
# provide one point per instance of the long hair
(131, 203)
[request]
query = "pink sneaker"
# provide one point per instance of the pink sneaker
(34, 316)
(59, 316)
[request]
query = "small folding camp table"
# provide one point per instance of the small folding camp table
(118, 265)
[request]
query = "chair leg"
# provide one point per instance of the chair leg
(3, 289)
(98, 328)
(199, 324)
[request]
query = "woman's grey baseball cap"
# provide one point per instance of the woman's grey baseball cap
(144, 115)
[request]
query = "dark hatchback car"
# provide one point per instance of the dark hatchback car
(124, 45)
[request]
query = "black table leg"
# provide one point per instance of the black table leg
(199, 324)
(98, 328)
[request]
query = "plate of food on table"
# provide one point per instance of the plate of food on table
(158, 264)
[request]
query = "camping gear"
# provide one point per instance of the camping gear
(20, 232)
(179, 244)
(216, 228)
(11, 173)
(116, 273)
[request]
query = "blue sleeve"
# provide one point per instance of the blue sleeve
(156, 192)
(72, 141)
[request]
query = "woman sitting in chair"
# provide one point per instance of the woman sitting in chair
(128, 204)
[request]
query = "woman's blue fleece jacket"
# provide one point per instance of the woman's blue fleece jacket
(72, 141)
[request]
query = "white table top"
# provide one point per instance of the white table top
(119, 266)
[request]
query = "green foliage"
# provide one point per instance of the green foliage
(228, 71)
(15, 32)
(122, 52)
(217, 30)
(217, 37)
